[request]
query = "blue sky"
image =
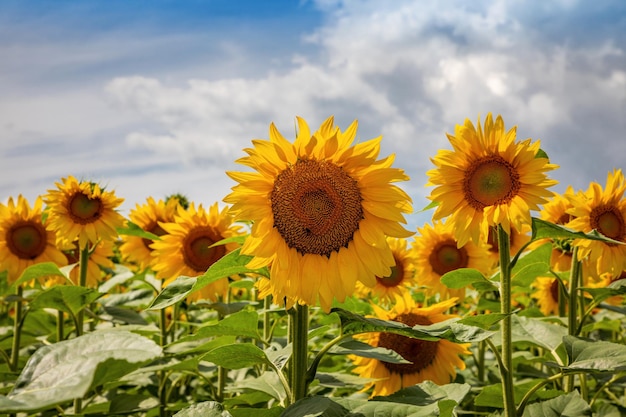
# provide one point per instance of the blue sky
(156, 97)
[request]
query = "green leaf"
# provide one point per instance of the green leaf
(570, 405)
(538, 332)
(462, 277)
(543, 229)
(257, 412)
(176, 291)
(532, 264)
(243, 323)
(267, 383)
(241, 355)
(68, 298)
(595, 355)
(68, 370)
(450, 329)
(232, 263)
(205, 409)
(354, 347)
(133, 229)
(129, 403)
(38, 271)
(484, 321)
(541, 154)
(316, 406)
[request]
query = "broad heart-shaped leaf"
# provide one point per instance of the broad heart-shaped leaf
(532, 264)
(450, 329)
(536, 331)
(68, 298)
(68, 370)
(237, 356)
(133, 229)
(243, 323)
(462, 277)
(595, 355)
(316, 406)
(267, 383)
(232, 263)
(37, 271)
(543, 229)
(205, 409)
(570, 405)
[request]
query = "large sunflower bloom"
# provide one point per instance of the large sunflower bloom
(321, 209)
(185, 249)
(24, 239)
(84, 211)
(147, 216)
(438, 253)
(488, 179)
(604, 211)
(435, 361)
(397, 286)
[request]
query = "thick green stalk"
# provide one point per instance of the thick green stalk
(573, 294)
(506, 370)
(17, 331)
(299, 329)
(82, 281)
(163, 374)
(60, 320)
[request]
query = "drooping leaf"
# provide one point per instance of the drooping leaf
(67, 298)
(544, 229)
(595, 355)
(67, 370)
(244, 323)
(484, 321)
(232, 263)
(129, 403)
(133, 229)
(174, 292)
(355, 347)
(38, 271)
(237, 356)
(316, 406)
(570, 405)
(462, 277)
(205, 409)
(267, 383)
(531, 265)
(536, 331)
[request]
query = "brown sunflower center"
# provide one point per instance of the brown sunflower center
(446, 257)
(489, 181)
(316, 206)
(27, 239)
(421, 353)
(84, 210)
(155, 229)
(609, 221)
(197, 253)
(394, 279)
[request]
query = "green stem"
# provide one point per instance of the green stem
(506, 370)
(60, 320)
(17, 331)
(82, 282)
(299, 328)
(316, 361)
(573, 294)
(267, 324)
(529, 394)
(480, 361)
(163, 374)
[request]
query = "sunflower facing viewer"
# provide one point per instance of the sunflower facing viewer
(488, 179)
(321, 210)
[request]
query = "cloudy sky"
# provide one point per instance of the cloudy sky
(153, 98)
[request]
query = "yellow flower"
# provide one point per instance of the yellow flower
(24, 239)
(604, 281)
(488, 180)
(83, 211)
(396, 287)
(547, 295)
(604, 211)
(435, 361)
(185, 249)
(100, 259)
(321, 210)
(438, 252)
(147, 216)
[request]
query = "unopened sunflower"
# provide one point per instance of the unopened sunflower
(488, 179)
(24, 239)
(321, 209)
(186, 247)
(84, 211)
(603, 210)
(148, 216)
(435, 361)
(396, 287)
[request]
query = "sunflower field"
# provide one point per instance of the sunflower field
(303, 293)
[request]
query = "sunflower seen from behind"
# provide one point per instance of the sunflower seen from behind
(84, 211)
(603, 210)
(186, 247)
(147, 216)
(435, 361)
(24, 238)
(321, 209)
(488, 179)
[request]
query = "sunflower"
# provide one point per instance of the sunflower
(321, 210)
(430, 360)
(84, 211)
(547, 294)
(438, 252)
(137, 250)
(396, 287)
(24, 239)
(604, 211)
(185, 249)
(488, 179)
